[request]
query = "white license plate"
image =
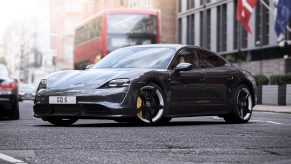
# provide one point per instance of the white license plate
(62, 100)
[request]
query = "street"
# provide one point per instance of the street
(265, 139)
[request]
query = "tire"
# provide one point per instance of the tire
(14, 114)
(151, 104)
(242, 106)
(62, 121)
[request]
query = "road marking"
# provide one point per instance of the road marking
(11, 159)
(273, 122)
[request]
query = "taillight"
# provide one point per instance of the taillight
(8, 86)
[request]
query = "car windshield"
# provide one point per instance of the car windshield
(137, 57)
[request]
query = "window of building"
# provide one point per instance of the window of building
(205, 29)
(190, 4)
(190, 29)
(180, 30)
(262, 25)
(179, 6)
(208, 27)
(221, 28)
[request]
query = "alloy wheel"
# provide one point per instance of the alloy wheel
(150, 104)
(244, 103)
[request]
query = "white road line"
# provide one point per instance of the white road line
(273, 122)
(11, 159)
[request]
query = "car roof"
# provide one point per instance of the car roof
(175, 46)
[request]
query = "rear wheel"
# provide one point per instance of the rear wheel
(242, 106)
(62, 121)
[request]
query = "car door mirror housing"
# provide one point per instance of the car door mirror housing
(89, 66)
(183, 67)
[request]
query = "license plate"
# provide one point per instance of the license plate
(62, 100)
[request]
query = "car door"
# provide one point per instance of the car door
(218, 79)
(187, 87)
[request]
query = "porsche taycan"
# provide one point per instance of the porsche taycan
(149, 84)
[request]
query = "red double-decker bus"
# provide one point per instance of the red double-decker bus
(112, 29)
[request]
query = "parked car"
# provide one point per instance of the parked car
(26, 91)
(8, 95)
(149, 84)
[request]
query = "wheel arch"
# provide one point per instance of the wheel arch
(165, 90)
(158, 83)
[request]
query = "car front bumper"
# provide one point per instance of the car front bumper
(100, 103)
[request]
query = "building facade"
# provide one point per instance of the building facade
(65, 16)
(26, 50)
(212, 24)
(166, 7)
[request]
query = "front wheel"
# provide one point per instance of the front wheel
(242, 106)
(62, 121)
(150, 104)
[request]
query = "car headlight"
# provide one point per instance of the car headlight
(42, 84)
(119, 83)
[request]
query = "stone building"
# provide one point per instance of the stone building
(212, 24)
(64, 17)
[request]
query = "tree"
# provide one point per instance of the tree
(2, 60)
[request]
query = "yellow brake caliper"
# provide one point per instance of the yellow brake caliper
(138, 105)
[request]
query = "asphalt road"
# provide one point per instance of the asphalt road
(266, 139)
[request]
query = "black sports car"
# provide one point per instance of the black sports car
(149, 84)
(8, 95)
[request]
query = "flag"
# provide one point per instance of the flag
(244, 12)
(282, 16)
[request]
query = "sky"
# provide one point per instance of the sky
(19, 10)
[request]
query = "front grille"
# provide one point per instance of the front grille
(65, 108)
(42, 109)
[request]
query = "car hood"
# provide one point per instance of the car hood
(93, 78)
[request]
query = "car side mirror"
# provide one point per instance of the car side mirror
(183, 67)
(89, 66)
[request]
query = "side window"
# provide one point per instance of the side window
(186, 56)
(209, 60)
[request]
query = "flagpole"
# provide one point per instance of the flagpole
(268, 7)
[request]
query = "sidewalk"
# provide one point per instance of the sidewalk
(273, 108)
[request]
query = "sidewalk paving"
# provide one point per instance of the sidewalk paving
(273, 108)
